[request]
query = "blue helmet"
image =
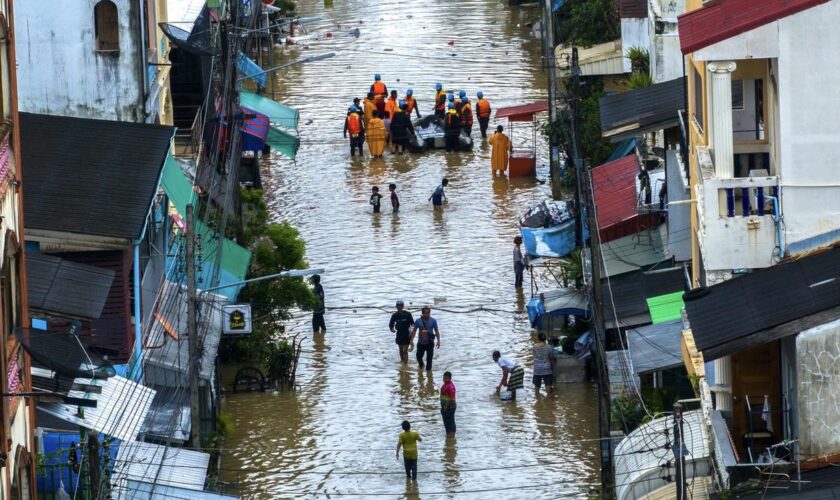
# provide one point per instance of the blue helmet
(450, 106)
(402, 103)
(480, 94)
(377, 76)
(451, 97)
(465, 99)
(462, 94)
(438, 86)
(409, 92)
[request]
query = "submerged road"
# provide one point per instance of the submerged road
(336, 436)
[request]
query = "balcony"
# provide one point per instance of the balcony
(739, 219)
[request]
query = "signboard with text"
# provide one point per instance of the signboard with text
(237, 319)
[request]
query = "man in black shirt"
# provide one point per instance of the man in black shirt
(400, 324)
(318, 324)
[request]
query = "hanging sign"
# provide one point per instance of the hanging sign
(237, 318)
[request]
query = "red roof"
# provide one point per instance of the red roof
(523, 112)
(726, 18)
(614, 186)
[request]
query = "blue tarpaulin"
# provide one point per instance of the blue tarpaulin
(254, 130)
(250, 69)
(623, 149)
(536, 311)
(555, 241)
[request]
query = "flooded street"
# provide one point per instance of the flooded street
(337, 434)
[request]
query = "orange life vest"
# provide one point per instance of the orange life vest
(410, 103)
(440, 105)
(354, 124)
(379, 88)
(390, 107)
(482, 107)
(466, 114)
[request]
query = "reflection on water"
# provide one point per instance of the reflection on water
(337, 434)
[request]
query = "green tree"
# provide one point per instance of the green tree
(588, 22)
(593, 146)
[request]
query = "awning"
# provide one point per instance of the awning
(556, 241)
(643, 110)
(603, 59)
(169, 415)
(766, 304)
(249, 69)
(667, 307)
(187, 26)
(121, 407)
(278, 113)
(166, 346)
(254, 129)
(644, 460)
(167, 466)
(63, 353)
(565, 301)
(283, 142)
(633, 252)
(522, 112)
(61, 286)
(176, 185)
(655, 347)
(630, 292)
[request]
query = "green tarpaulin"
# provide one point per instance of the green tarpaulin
(176, 185)
(666, 307)
(278, 114)
(283, 142)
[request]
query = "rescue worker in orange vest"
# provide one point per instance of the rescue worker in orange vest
(482, 110)
(379, 88)
(459, 101)
(451, 129)
(354, 125)
(440, 92)
(440, 103)
(392, 105)
(466, 115)
(451, 100)
(369, 108)
(411, 103)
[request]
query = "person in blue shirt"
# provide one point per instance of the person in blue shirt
(428, 337)
(318, 324)
(438, 197)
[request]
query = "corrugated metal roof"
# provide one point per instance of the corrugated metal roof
(96, 177)
(726, 18)
(58, 285)
(635, 112)
(178, 467)
(183, 13)
(630, 291)
(169, 416)
(121, 407)
(639, 472)
(633, 9)
(522, 112)
(167, 345)
(614, 187)
(564, 299)
(139, 490)
(604, 59)
(655, 347)
(761, 300)
(633, 252)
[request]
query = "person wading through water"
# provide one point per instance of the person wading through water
(400, 324)
(429, 336)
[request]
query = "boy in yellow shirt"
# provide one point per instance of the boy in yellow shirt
(408, 442)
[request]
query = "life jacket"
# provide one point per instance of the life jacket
(354, 124)
(438, 94)
(482, 108)
(466, 114)
(440, 104)
(410, 104)
(390, 107)
(379, 88)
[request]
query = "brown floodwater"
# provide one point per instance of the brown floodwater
(336, 436)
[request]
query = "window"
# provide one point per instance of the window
(106, 27)
(698, 99)
(737, 94)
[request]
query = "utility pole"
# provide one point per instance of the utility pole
(192, 333)
(574, 103)
(679, 450)
(607, 483)
(551, 66)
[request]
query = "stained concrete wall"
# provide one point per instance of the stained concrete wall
(61, 73)
(818, 376)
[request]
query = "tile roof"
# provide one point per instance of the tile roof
(726, 317)
(58, 285)
(614, 186)
(642, 110)
(94, 177)
(726, 18)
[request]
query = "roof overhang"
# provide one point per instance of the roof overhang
(655, 347)
(603, 59)
(643, 110)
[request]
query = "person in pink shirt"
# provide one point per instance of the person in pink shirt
(447, 404)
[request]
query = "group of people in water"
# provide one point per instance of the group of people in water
(383, 118)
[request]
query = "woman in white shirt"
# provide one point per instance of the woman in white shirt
(513, 375)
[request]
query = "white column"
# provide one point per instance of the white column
(723, 383)
(720, 102)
